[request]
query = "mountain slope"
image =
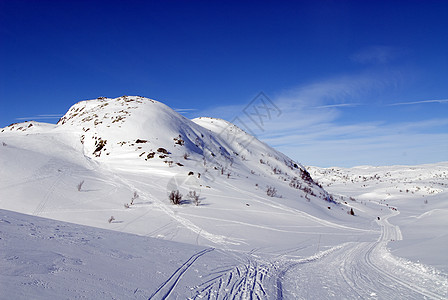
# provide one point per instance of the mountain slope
(122, 157)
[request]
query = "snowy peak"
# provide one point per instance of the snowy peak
(123, 125)
(132, 130)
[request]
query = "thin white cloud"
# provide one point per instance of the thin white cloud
(420, 102)
(375, 55)
(41, 117)
(339, 105)
(341, 90)
(185, 110)
(375, 143)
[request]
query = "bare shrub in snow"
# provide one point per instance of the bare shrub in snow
(194, 197)
(79, 186)
(126, 205)
(111, 219)
(295, 183)
(175, 197)
(134, 197)
(277, 171)
(271, 191)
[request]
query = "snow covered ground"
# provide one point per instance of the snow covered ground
(419, 193)
(109, 165)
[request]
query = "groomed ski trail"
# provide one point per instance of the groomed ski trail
(365, 270)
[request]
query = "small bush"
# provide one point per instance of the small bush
(295, 183)
(194, 197)
(271, 191)
(111, 219)
(175, 197)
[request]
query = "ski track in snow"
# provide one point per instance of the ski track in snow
(364, 270)
(352, 270)
(59, 176)
(246, 281)
(217, 239)
(166, 288)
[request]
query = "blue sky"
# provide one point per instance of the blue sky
(357, 82)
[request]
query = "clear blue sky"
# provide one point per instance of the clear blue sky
(353, 79)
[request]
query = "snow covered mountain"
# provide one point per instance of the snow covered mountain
(115, 163)
(122, 157)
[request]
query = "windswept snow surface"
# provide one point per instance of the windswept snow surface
(110, 164)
